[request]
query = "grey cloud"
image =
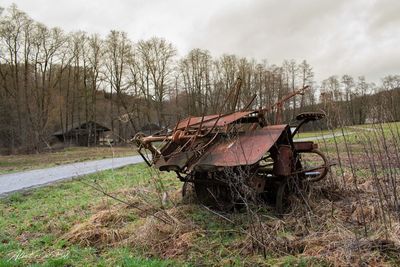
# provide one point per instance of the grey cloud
(335, 36)
(354, 36)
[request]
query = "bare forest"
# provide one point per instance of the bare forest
(51, 79)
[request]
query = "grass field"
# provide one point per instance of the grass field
(344, 221)
(35, 227)
(33, 223)
(352, 130)
(14, 163)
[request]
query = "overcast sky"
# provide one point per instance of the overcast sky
(357, 37)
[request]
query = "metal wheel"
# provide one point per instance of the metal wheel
(215, 196)
(316, 169)
(211, 192)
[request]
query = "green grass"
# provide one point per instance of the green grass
(32, 223)
(312, 134)
(355, 131)
(355, 137)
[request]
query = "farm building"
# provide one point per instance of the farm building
(85, 134)
(150, 128)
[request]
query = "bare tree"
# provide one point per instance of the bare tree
(348, 83)
(47, 70)
(119, 51)
(157, 57)
(291, 70)
(307, 78)
(196, 74)
(11, 36)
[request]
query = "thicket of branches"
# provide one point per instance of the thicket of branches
(50, 80)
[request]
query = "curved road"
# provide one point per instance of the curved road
(22, 180)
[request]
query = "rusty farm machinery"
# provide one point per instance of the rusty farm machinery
(229, 159)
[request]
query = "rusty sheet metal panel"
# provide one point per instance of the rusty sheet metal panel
(226, 119)
(246, 149)
(193, 121)
(175, 163)
(210, 120)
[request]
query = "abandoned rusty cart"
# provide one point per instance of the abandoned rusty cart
(236, 157)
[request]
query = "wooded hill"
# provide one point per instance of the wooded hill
(50, 80)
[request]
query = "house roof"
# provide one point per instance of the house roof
(83, 126)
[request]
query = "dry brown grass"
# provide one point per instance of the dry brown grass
(166, 240)
(325, 224)
(115, 227)
(331, 232)
(102, 229)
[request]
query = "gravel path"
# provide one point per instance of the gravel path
(28, 179)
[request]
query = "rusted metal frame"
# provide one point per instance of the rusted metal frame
(283, 164)
(237, 92)
(189, 137)
(198, 153)
(150, 147)
(304, 146)
(278, 114)
(324, 166)
(277, 145)
(231, 125)
(311, 117)
(220, 112)
(249, 103)
(198, 131)
(187, 125)
(298, 126)
(279, 103)
(179, 150)
(209, 142)
(150, 139)
(212, 128)
(192, 139)
(144, 158)
(181, 124)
